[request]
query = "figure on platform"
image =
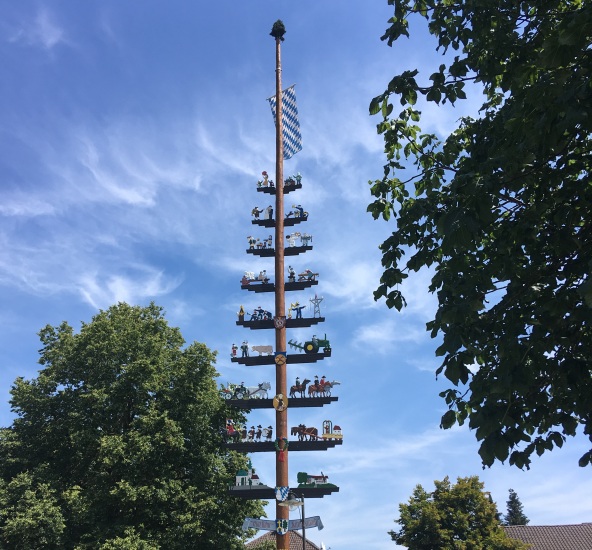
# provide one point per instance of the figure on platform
(255, 212)
(265, 181)
(269, 433)
(241, 314)
(291, 274)
(298, 309)
(269, 241)
(306, 239)
(234, 350)
(268, 213)
(245, 349)
(252, 242)
(322, 383)
(292, 238)
(299, 210)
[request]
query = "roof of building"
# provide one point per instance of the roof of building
(553, 537)
(295, 541)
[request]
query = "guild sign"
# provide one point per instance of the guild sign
(281, 526)
(280, 402)
(280, 358)
(279, 322)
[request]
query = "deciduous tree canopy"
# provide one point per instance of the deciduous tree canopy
(457, 516)
(116, 444)
(501, 210)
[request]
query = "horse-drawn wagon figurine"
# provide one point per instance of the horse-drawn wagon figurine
(240, 391)
(313, 345)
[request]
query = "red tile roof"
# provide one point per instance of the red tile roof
(295, 541)
(553, 537)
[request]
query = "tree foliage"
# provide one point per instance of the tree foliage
(117, 444)
(501, 211)
(459, 516)
(515, 513)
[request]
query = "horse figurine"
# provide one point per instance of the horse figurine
(299, 388)
(316, 390)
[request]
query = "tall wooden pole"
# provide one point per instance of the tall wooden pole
(281, 419)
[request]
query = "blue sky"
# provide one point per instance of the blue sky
(132, 138)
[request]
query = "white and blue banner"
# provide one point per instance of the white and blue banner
(290, 124)
(281, 493)
(283, 524)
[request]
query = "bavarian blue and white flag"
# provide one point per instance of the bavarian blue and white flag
(291, 125)
(281, 493)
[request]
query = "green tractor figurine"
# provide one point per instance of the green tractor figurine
(313, 345)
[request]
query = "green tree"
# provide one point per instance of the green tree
(515, 514)
(501, 210)
(452, 516)
(117, 443)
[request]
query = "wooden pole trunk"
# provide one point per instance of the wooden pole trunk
(282, 512)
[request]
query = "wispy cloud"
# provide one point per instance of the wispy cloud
(148, 283)
(43, 31)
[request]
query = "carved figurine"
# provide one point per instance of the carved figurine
(291, 274)
(245, 349)
(234, 349)
(255, 212)
(298, 309)
(299, 388)
(292, 238)
(316, 303)
(307, 275)
(241, 313)
(322, 387)
(268, 213)
(268, 350)
(252, 242)
(266, 181)
(305, 238)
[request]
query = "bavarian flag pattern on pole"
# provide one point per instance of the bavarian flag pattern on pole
(291, 126)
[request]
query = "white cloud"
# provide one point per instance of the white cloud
(43, 31)
(148, 283)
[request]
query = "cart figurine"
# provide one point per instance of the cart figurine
(331, 432)
(235, 391)
(265, 182)
(312, 346)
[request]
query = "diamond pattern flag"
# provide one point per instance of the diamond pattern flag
(291, 125)
(281, 493)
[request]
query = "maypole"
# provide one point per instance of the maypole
(307, 393)
(281, 418)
